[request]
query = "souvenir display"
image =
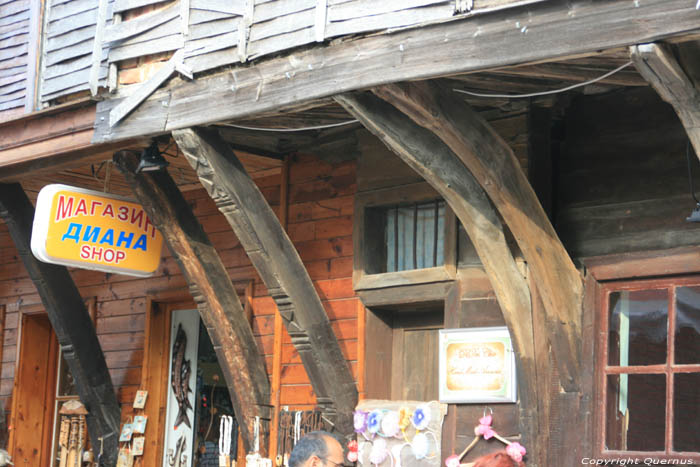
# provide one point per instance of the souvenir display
(484, 429)
(137, 445)
(127, 431)
(139, 425)
(140, 399)
(392, 433)
(125, 458)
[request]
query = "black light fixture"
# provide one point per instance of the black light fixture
(151, 160)
(695, 215)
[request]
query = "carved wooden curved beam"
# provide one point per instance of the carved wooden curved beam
(432, 159)
(280, 267)
(70, 320)
(212, 290)
(494, 166)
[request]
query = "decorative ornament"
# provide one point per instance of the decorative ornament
(419, 445)
(516, 451)
(452, 461)
(360, 420)
(421, 417)
(353, 451)
(374, 421)
(396, 453)
(484, 428)
(404, 418)
(390, 424)
(379, 451)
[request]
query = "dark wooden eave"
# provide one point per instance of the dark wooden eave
(280, 267)
(676, 77)
(212, 290)
(540, 32)
(71, 321)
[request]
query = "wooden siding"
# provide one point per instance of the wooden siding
(67, 49)
(14, 53)
(623, 178)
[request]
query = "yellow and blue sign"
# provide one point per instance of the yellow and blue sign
(93, 230)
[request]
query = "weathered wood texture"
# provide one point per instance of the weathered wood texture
(422, 53)
(496, 169)
(15, 72)
(320, 225)
(67, 47)
(623, 176)
(71, 322)
(676, 80)
(430, 157)
(213, 292)
(278, 263)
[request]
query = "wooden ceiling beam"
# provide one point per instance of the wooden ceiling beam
(280, 267)
(212, 290)
(72, 323)
(425, 153)
(676, 79)
(550, 31)
(492, 162)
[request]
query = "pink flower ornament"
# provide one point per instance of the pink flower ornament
(452, 461)
(390, 424)
(515, 451)
(484, 428)
(379, 451)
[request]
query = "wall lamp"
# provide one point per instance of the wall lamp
(151, 159)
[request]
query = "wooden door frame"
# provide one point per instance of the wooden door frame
(154, 371)
(50, 387)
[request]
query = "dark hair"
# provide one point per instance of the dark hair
(311, 444)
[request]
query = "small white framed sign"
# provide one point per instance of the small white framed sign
(477, 365)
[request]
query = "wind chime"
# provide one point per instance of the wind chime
(72, 434)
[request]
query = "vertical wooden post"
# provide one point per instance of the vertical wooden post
(276, 380)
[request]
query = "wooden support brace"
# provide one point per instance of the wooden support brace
(71, 321)
(496, 169)
(432, 159)
(280, 267)
(212, 290)
(677, 80)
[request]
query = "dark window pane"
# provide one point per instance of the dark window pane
(638, 327)
(686, 412)
(635, 412)
(687, 343)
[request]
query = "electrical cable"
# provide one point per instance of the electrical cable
(284, 130)
(544, 93)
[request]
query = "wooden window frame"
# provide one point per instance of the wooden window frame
(412, 193)
(630, 272)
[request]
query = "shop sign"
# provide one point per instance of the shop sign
(94, 230)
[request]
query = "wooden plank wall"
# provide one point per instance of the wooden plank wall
(69, 33)
(14, 48)
(321, 201)
(623, 176)
(217, 33)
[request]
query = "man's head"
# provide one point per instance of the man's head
(317, 449)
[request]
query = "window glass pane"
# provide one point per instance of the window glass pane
(635, 412)
(638, 327)
(414, 236)
(687, 341)
(686, 412)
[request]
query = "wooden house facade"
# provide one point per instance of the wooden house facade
(346, 181)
